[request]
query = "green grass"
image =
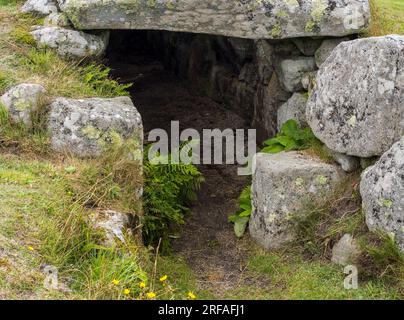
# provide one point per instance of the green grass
(295, 278)
(287, 277)
(387, 18)
(40, 223)
(20, 62)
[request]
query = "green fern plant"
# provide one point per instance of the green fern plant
(98, 77)
(242, 216)
(168, 191)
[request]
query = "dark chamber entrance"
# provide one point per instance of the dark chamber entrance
(166, 89)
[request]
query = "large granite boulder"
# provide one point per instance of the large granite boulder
(244, 19)
(283, 184)
(357, 107)
(40, 7)
(88, 127)
(382, 190)
(21, 100)
(71, 43)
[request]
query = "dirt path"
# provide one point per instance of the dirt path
(207, 242)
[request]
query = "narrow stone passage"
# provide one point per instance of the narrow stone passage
(207, 241)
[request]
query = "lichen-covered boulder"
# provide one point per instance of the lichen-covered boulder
(382, 190)
(40, 7)
(293, 109)
(346, 251)
(357, 107)
(324, 51)
(71, 43)
(283, 184)
(88, 127)
(292, 70)
(244, 19)
(21, 100)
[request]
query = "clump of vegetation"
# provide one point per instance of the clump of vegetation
(323, 223)
(169, 189)
(6, 80)
(30, 140)
(291, 137)
(387, 18)
(113, 180)
(242, 216)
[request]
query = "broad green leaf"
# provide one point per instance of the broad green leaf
(273, 149)
(291, 129)
(245, 213)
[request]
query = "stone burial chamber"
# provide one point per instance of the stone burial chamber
(267, 61)
(252, 56)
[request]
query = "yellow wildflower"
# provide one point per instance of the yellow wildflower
(163, 278)
(126, 292)
(30, 248)
(142, 285)
(115, 282)
(191, 295)
(150, 295)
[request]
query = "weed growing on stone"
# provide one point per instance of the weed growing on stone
(291, 137)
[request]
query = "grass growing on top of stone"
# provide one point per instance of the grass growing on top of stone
(21, 62)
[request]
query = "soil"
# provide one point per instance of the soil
(207, 241)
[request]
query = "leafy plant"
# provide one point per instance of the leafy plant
(290, 138)
(169, 189)
(242, 216)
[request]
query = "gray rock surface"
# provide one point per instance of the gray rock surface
(382, 190)
(293, 109)
(57, 20)
(21, 101)
(71, 43)
(292, 70)
(357, 107)
(282, 185)
(346, 251)
(244, 19)
(113, 224)
(309, 81)
(87, 127)
(347, 163)
(327, 46)
(307, 46)
(39, 7)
